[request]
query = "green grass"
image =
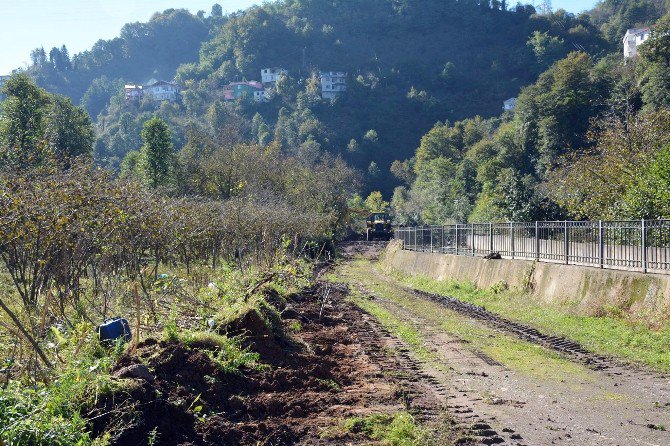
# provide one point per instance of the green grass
(50, 413)
(611, 335)
(398, 429)
(225, 352)
(400, 329)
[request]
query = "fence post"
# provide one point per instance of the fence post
(644, 247)
(567, 243)
(472, 234)
(430, 228)
(511, 230)
(442, 240)
(491, 236)
(601, 245)
(456, 238)
(537, 240)
(414, 248)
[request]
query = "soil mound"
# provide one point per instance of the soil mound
(192, 402)
(258, 336)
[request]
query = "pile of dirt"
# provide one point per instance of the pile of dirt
(190, 401)
(258, 336)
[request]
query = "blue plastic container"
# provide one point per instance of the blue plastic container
(113, 329)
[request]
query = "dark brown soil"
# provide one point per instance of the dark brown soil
(333, 368)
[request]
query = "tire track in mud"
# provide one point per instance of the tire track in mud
(564, 346)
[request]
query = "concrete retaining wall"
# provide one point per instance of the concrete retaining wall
(586, 290)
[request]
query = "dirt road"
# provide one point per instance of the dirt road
(529, 388)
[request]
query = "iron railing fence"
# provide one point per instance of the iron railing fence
(640, 245)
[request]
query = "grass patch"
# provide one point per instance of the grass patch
(50, 412)
(398, 429)
(615, 336)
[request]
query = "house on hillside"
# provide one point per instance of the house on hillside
(509, 104)
(270, 76)
(133, 93)
(333, 83)
(236, 90)
(162, 91)
(633, 39)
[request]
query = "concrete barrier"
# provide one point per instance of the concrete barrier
(585, 290)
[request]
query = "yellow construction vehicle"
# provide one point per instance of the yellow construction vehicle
(379, 226)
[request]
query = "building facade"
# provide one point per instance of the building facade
(333, 83)
(270, 76)
(633, 39)
(162, 91)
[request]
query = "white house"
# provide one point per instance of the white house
(633, 39)
(332, 83)
(162, 91)
(272, 75)
(509, 104)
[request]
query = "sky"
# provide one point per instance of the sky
(78, 24)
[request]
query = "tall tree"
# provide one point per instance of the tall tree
(68, 130)
(22, 122)
(157, 156)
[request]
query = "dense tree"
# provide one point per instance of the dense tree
(22, 124)
(69, 133)
(157, 154)
(36, 127)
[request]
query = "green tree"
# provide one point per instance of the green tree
(22, 123)
(69, 132)
(657, 48)
(650, 198)
(375, 202)
(547, 49)
(157, 155)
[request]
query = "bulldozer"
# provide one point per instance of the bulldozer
(379, 226)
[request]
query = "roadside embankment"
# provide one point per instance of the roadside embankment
(586, 291)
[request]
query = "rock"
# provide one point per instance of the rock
(135, 371)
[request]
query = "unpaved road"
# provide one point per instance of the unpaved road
(530, 390)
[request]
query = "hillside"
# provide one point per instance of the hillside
(409, 65)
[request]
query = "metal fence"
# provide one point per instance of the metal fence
(639, 245)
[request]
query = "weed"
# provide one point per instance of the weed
(499, 287)
(399, 429)
(153, 437)
(332, 385)
(295, 326)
